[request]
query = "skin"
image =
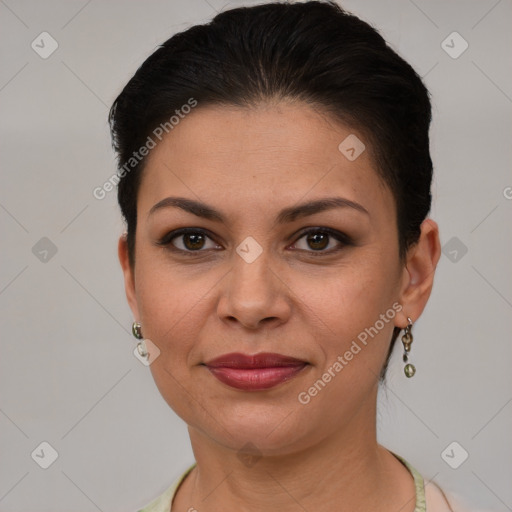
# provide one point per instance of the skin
(249, 164)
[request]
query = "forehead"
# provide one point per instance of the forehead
(253, 158)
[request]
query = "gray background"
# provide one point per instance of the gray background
(68, 374)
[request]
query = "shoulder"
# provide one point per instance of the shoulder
(431, 498)
(163, 502)
(442, 500)
(437, 500)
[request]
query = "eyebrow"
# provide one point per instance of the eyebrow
(286, 215)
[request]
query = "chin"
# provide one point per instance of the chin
(272, 431)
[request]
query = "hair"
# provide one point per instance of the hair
(314, 52)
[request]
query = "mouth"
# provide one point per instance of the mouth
(254, 372)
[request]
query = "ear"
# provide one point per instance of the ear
(129, 277)
(418, 273)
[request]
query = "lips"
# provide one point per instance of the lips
(254, 372)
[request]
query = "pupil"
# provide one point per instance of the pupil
(315, 240)
(196, 241)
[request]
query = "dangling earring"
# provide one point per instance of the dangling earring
(141, 346)
(407, 338)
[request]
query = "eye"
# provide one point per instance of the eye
(315, 240)
(319, 239)
(188, 240)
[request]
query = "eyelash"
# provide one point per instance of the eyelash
(166, 241)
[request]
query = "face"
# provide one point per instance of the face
(267, 267)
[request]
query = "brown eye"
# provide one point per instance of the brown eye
(322, 241)
(318, 241)
(193, 241)
(188, 240)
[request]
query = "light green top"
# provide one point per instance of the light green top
(163, 502)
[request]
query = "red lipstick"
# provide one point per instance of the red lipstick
(254, 372)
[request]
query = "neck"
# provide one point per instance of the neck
(345, 471)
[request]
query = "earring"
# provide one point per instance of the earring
(141, 346)
(407, 338)
(136, 330)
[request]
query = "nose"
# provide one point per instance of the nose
(254, 295)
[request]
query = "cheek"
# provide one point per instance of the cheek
(158, 296)
(174, 305)
(355, 307)
(172, 309)
(352, 297)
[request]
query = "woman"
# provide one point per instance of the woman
(275, 180)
